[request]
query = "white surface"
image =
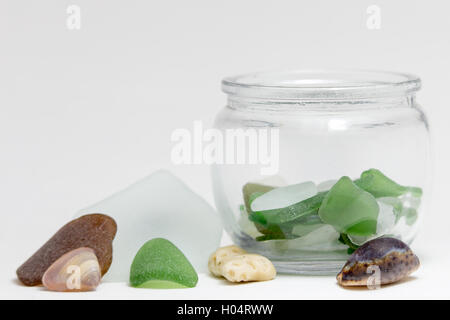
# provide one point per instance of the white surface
(426, 283)
(430, 281)
(85, 113)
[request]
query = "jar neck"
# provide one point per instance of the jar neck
(319, 105)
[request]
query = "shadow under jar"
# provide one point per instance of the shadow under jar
(316, 163)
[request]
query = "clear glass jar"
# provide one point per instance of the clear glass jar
(351, 162)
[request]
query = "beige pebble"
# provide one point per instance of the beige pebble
(248, 267)
(217, 259)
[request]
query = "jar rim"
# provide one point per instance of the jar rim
(321, 84)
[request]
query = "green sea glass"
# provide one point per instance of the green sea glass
(349, 209)
(290, 214)
(376, 183)
(159, 264)
(279, 223)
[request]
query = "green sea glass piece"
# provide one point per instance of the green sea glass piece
(349, 209)
(279, 223)
(159, 264)
(291, 213)
(376, 183)
(352, 208)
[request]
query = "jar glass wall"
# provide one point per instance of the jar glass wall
(349, 161)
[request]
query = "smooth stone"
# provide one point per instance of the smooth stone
(77, 270)
(95, 231)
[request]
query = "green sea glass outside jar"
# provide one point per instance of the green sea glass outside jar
(349, 162)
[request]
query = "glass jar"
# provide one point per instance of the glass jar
(316, 163)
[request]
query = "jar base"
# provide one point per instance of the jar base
(309, 268)
(295, 261)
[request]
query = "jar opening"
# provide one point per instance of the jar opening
(321, 85)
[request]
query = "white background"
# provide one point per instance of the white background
(84, 113)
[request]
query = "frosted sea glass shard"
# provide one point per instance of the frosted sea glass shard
(284, 196)
(386, 218)
(410, 201)
(159, 206)
(324, 238)
(246, 225)
(326, 185)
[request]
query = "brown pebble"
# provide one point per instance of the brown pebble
(393, 257)
(95, 231)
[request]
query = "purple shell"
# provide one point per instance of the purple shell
(394, 260)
